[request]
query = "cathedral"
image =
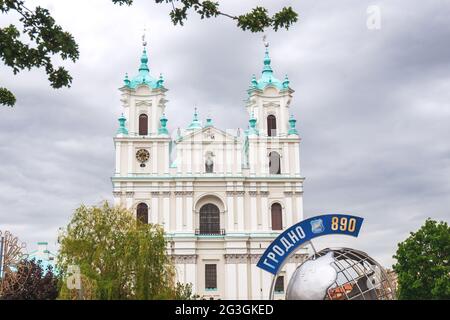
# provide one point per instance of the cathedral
(221, 196)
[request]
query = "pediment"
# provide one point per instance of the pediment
(209, 135)
(147, 103)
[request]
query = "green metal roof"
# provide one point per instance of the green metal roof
(144, 77)
(267, 77)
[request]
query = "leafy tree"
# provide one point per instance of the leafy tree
(257, 20)
(47, 39)
(118, 256)
(30, 282)
(422, 266)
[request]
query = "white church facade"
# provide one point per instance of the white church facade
(221, 196)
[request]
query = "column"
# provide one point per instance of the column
(299, 208)
(238, 164)
(189, 209)
(178, 207)
(166, 210)
(286, 169)
(155, 157)
(229, 157)
(118, 156)
(129, 199)
(252, 156)
(154, 212)
(117, 198)
(297, 158)
(179, 158)
(288, 209)
(242, 281)
(240, 210)
(230, 281)
(266, 282)
(263, 156)
(130, 158)
(264, 210)
(189, 166)
(256, 283)
(191, 275)
(253, 213)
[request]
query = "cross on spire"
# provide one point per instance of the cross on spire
(144, 41)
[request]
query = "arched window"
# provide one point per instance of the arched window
(277, 218)
(209, 219)
(274, 163)
(143, 125)
(209, 163)
(142, 213)
(271, 126)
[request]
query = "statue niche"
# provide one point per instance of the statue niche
(209, 163)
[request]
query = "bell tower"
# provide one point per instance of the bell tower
(269, 100)
(142, 140)
(272, 139)
(143, 99)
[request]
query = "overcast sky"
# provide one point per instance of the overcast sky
(372, 108)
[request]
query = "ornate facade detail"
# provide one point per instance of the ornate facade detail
(253, 193)
(155, 193)
(129, 194)
(264, 193)
(241, 258)
(117, 194)
(184, 258)
(235, 193)
(288, 193)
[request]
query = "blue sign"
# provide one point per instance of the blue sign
(288, 241)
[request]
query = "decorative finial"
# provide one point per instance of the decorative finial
(163, 129)
(266, 43)
(144, 42)
(252, 125)
(286, 82)
(195, 124)
(292, 129)
(122, 129)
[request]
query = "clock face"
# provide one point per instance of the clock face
(142, 155)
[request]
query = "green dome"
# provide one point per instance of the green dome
(267, 77)
(144, 77)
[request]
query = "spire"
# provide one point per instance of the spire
(144, 77)
(195, 124)
(267, 77)
(144, 58)
(122, 129)
(267, 67)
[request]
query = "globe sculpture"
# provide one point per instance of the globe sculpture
(340, 274)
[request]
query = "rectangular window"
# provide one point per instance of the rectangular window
(279, 284)
(210, 276)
